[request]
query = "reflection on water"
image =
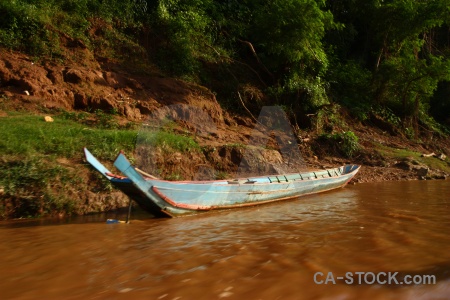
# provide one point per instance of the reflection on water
(266, 252)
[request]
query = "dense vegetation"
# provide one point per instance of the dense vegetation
(389, 58)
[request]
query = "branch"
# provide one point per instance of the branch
(253, 117)
(308, 45)
(252, 49)
(383, 48)
(236, 61)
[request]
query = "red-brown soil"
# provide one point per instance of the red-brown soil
(89, 84)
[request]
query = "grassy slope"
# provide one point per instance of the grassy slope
(402, 154)
(42, 169)
(33, 181)
(29, 135)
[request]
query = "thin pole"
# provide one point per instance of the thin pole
(129, 212)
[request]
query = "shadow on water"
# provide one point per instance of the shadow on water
(270, 212)
(119, 214)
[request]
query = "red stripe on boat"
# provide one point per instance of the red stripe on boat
(179, 205)
(115, 176)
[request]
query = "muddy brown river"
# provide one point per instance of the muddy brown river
(366, 241)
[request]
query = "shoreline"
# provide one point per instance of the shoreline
(48, 180)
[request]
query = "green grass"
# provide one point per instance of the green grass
(32, 181)
(27, 135)
(432, 162)
(167, 141)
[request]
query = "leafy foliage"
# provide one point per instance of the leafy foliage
(345, 142)
(301, 54)
(404, 55)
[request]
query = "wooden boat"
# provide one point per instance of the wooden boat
(174, 198)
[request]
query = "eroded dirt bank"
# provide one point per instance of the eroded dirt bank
(224, 139)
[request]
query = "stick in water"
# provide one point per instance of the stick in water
(129, 212)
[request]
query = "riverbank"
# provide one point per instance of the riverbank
(106, 106)
(43, 171)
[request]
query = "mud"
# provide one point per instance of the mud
(87, 84)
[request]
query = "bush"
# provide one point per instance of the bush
(22, 27)
(28, 185)
(329, 119)
(346, 142)
(35, 27)
(349, 143)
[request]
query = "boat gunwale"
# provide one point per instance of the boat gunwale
(193, 207)
(225, 182)
(148, 187)
(186, 207)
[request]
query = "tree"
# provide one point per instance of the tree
(400, 43)
(408, 68)
(288, 35)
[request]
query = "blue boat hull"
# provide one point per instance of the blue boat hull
(173, 198)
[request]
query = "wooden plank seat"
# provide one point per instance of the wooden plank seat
(273, 179)
(292, 177)
(322, 174)
(309, 175)
(333, 172)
